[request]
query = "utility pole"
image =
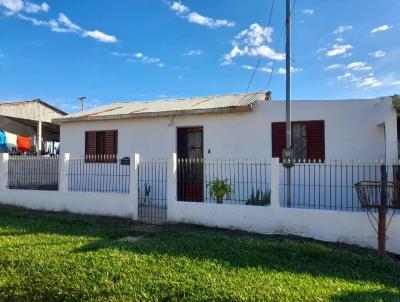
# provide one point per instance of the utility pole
(288, 107)
(82, 99)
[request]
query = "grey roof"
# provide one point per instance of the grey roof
(195, 105)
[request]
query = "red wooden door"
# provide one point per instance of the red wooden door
(190, 165)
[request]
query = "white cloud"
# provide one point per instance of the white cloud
(262, 69)
(64, 20)
(342, 29)
(12, 6)
(35, 8)
(64, 25)
(338, 50)
(282, 71)
(147, 60)
(355, 66)
(16, 6)
(34, 21)
(384, 27)
(334, 67)
(266, 69)
(139, 57)
(195, 17)
(378, 54)
(308, 11)
(368, 82)
(193, 52)
(339, 39)
(252, 42)
(248, 67)
(358, 66)
(100, 36)
(365, 82)
(345, 76)
(179, 8)
(255, 35)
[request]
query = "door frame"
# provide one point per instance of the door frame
(180, 184)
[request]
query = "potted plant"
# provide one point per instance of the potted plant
(219, 189)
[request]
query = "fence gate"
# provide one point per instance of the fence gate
(153, 191)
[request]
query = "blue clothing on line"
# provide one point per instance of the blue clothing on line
(3, 142)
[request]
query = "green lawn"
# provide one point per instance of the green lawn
(47, 257)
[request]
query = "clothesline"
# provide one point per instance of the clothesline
(10, 140)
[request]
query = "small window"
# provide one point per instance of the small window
(299, 141)
(101, 146)
(308, 139)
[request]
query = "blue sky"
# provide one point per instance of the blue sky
(149, 49)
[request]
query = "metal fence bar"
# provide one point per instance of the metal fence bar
(224, 181)
(329, 185)
(152, 183)
(98, 173)
(33, 173)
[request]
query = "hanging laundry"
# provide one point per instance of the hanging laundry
(24, 143)
(3, 142)
(11, 141)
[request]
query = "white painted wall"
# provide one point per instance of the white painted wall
(333, 226)
(351, 130)
(107, 204)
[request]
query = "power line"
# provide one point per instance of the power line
(259, 55)
(277, 46)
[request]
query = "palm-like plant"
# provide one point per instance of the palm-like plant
(219, 189)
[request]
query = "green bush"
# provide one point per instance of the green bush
(259, 198)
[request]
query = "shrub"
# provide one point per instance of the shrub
(259, 198)
(219, 189)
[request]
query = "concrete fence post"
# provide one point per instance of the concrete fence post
(64, 167)
(172, 187)
(3, 171)
(275, 183)
(134, 184)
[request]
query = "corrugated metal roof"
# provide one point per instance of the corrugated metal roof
(34, 110)
(195, 105)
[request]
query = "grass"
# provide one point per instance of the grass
(64, 257)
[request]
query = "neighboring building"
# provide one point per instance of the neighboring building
(235, 126)
(29, 123)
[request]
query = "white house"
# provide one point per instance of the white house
(240, 126)
(323, 201)
(235, 126)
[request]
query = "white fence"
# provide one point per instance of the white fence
(161, 177)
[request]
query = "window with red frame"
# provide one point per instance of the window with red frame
(308, 139)
(101, 146)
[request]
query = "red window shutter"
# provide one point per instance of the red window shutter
(90, 143)
(278, 139)
(111, 142)
(316, 139)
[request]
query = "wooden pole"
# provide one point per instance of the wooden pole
(382, 211)
(382, 230)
